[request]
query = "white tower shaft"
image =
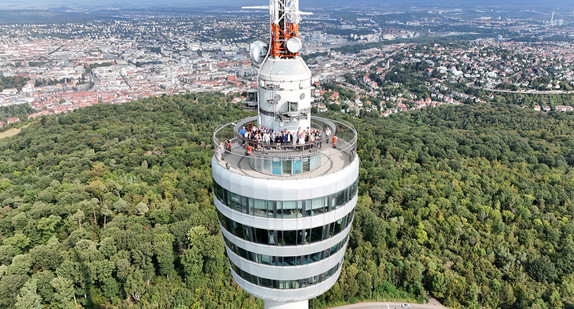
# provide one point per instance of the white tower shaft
(294, 305)
(286, 188)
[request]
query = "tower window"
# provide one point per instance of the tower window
(292, 106)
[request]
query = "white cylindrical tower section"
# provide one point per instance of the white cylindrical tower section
(285, 203)
(285, 98)
(286, 238)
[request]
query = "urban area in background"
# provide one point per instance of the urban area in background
(379, 62)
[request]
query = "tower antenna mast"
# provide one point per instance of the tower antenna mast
(285, 17)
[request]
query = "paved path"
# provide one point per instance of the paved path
(433, 304)
(529, 91)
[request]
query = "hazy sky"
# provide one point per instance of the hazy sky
(551, 4)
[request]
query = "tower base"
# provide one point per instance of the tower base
(294, 305)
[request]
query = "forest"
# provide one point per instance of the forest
(12, 82)
(111, 207)
(18, 111)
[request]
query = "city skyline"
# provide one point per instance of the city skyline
(42, 4)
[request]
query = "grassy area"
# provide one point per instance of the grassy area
(9, 133)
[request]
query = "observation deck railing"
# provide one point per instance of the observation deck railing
(287, 160)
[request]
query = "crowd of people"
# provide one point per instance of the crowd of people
(261, 137)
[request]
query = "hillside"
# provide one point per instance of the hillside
(111, 206)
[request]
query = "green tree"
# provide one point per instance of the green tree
(192, 259)
(28, 297)
(10, 285)
(421, 234)
(21, 265)
(542, 269)
(64, 292)
(142, 208)
(19, 243)
(78, 217)
(120, 206)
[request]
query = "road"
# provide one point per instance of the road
(530, 91)
(433, 304)
(542, 92)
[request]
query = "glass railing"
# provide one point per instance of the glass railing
(286, 158)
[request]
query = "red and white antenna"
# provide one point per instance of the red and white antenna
(285, 17)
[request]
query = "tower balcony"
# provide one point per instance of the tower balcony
(332, 149)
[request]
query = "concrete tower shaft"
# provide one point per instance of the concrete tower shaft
(285, 183)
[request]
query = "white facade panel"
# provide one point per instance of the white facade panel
(286, 189)
(291, 305)
(282, 81)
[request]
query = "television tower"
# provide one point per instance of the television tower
(285, 183)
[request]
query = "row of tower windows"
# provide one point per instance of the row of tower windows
(282, 166)
(285, 260)
(285, 209)
(285, 284)
(285, 238)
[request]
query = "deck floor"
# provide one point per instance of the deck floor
(333, 160)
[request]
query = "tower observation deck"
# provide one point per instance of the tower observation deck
(285, 182)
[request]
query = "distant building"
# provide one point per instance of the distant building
(564, 108)
(10, 91)
(13, 120)
(387, 113)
